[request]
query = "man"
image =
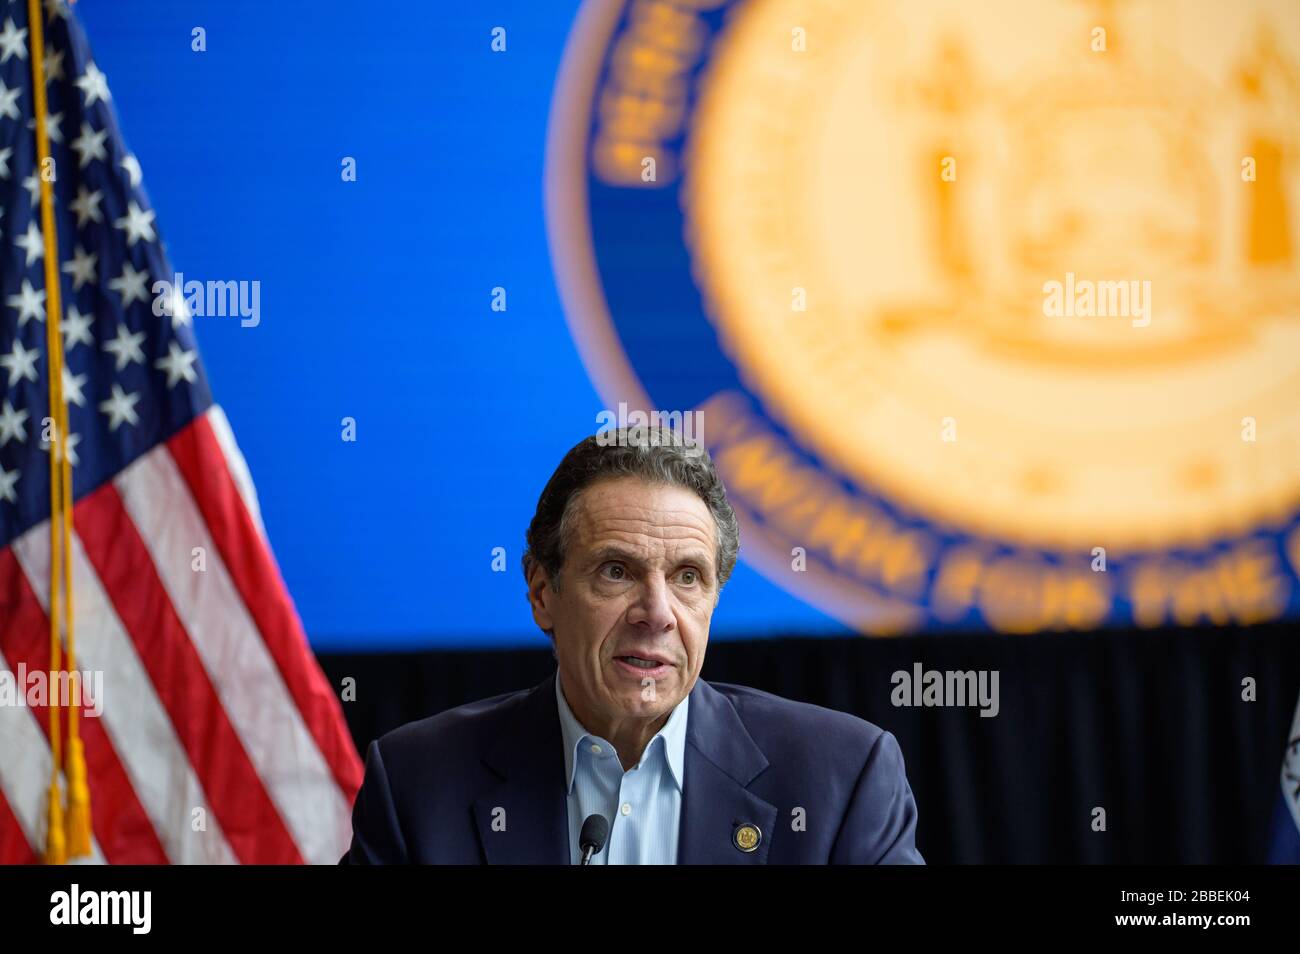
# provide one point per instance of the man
(629, 549)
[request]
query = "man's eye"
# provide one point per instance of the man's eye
(615, 571)
(690, 577)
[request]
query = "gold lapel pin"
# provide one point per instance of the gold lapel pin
(746, 837)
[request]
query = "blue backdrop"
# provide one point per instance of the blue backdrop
(375, 294)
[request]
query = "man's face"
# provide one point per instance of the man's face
(638, 585)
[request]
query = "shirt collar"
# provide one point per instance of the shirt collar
(673, 734)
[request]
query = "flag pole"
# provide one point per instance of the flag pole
(70, 836)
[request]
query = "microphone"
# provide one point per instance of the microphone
(595, 832)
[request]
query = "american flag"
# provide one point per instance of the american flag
(220, 740)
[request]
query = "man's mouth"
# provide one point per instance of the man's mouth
(641, 668)
(641, 662)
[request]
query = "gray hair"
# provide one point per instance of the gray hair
(655, 454)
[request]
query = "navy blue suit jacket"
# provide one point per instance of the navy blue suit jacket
(431, 787)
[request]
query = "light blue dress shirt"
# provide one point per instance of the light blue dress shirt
(643, 805)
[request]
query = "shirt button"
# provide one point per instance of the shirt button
(595, 749)
(626, 809)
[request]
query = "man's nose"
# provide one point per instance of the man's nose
(652, 607)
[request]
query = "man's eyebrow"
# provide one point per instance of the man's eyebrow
(697, 558)
(693, 557)
(612, 553)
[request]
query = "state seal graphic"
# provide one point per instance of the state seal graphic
(990, 312)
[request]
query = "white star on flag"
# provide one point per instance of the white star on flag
(33, 186)
(120, 407)
(11, 423)
(125, 346)
(93, 84)
(90, 145)
(29, 303)
(32, 243)
(76, 328)
(138, 224)
(130, 285)
(72, 385)
(131, 165)
(86, 205)
(9, 101)
(178, 364)
(52, 129)
(177, 308)
(20, 363)
(53, 65)
(81, 268)
(13, 42)
(7, 480)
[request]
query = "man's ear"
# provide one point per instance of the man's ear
(541, 597)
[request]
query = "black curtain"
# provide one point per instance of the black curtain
(1150, 726)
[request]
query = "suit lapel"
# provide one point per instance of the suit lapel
(721, 760)
(524, 818)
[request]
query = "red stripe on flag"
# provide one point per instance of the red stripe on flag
(14, 849)
(257, 578)
(125, 834)
(249, 820)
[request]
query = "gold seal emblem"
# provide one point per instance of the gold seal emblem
(747, 837)
(991, 311)
(1026, 269)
